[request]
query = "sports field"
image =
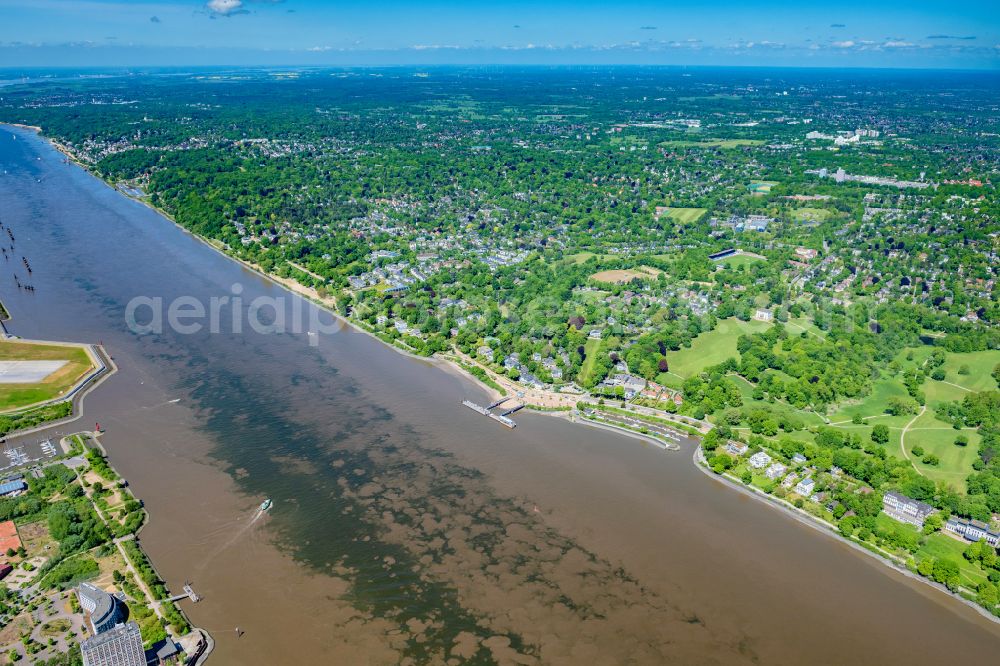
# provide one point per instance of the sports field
(66, 365)
(684, 215)
(622, 276)
(742, 260)
(761, 186)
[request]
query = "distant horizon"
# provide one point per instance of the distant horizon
(896, 34)
(501, 65)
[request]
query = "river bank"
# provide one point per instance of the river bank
(373, 466)
(829, 530)
(105, 367)
(550, 403)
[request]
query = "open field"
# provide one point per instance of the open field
(621, 276)
(956, 461)
(800, 324)
(591, 349)
(875, 403)
(810, 214)
(940, 546)
(582, 257)
(15, 396)
(742, 260)
(684, 215)
(36, 539)
(808, 418)
(761, 186)
(980, 365)
(725, 144)
(709, 348)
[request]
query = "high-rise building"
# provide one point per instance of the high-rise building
(119, 646)
(104, 611)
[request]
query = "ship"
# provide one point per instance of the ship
(265, 505)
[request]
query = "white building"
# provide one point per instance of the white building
(775, 471)
(973, 530)
(805, 487)
(760, 460)
(904, 509)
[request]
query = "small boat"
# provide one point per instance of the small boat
(265, 505)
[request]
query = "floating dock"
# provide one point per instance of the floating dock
(487, 411)
(471, 405)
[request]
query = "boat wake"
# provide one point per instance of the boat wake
(241, 527)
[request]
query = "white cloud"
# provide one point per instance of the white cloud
(844, 45)
(898, 45)
(225, 7)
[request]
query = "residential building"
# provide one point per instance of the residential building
(120, 646)
(904, 509)
(736, 448)
(760, 460)
(775, 471)
(805, 487)
(973, 530)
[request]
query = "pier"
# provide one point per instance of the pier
(488, 411)
(474, 406)
(189, 593)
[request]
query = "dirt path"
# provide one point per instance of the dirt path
(902, 436)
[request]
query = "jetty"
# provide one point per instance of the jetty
(502, 418)
(189, 593)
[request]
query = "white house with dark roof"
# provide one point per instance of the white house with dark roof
(973, 530)
(905, 509)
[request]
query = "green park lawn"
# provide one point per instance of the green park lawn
(779, 408)
(956, 461)
(583, 257)
(803, 323)
(710, 348)
(939, 546)
(980, 365)
(874, 404)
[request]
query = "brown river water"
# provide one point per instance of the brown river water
(407, 529)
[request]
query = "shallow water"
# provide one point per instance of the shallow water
(406, 528)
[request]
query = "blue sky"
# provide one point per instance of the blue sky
(876, 33)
